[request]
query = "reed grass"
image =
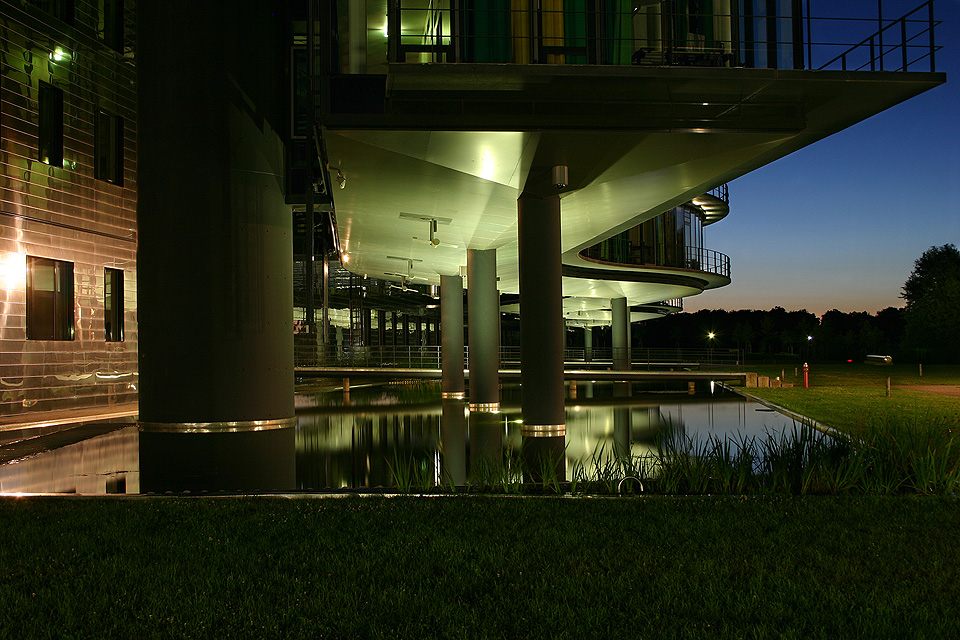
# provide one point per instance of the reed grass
(890, 456)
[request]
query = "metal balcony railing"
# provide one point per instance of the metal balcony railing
(428, 357)
(706, 260)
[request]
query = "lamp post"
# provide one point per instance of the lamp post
(710, 338)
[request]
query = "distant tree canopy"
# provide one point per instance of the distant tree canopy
(932, 315)
(781, 335)
(927, 330)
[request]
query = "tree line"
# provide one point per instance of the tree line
(926, 329)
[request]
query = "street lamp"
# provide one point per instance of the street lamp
(710, 338)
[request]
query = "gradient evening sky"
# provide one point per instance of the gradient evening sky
(839, 224)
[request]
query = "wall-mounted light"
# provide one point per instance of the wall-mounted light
(13, 271)
(60, 55)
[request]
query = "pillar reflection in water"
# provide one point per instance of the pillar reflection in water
(368, 445)
(453, 442)
(242, 461)
(486, 445)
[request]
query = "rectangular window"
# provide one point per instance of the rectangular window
(110, 27)
(108, 150)
(62, 10)
(51, 125)
(113, 304)
(49, 299)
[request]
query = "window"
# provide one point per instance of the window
(61, 9)
(110, 27)
(108, 150)
(51, 125)
(113, 304)
(49, 299)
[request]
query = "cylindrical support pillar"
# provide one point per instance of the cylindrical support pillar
(215, 233)
(588, 343)
(541, 314)
(483, 329)
(620, 334)
(451, 335)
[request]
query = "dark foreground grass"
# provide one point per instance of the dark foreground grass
(481, 567)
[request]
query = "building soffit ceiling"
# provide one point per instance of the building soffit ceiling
(469, 180)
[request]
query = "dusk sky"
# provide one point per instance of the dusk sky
(839, 224)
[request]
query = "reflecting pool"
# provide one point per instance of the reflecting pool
(373, 435)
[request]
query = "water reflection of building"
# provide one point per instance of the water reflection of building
(100, 465)
(426, 444)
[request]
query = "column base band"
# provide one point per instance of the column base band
(452, 395)
(543, 430)
(217, 427)
(485, 406)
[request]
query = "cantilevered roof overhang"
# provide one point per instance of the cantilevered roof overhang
(460, 143)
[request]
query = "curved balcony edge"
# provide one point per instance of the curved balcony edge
(694, 261)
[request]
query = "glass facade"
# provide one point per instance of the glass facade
(715, 33)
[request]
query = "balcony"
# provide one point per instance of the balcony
(738, 33)
(692, 258)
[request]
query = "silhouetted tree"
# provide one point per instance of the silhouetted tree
(932, 293)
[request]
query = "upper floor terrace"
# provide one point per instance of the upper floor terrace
(760, 34)
(440, 113)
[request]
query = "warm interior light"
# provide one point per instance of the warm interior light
(13, 271)
(345, 258)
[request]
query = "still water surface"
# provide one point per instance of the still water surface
(358, 441)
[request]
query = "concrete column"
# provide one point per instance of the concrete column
(541, 337)
(483, 329)
(588, 343)
(541, 314)
(621, 346)
(451, 335)
(215, 236)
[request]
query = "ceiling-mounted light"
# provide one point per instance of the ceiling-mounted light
(340, 178)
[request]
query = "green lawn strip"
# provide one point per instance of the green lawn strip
(862, 375)
(480, 567)
(851, 397)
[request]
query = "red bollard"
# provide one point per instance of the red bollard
(806, 376)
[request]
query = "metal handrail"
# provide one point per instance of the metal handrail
(875, 42)
(699, 259)
(429, 357)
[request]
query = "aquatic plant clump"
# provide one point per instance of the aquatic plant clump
(890, 456)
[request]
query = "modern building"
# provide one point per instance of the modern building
(546, 143)
(68, 227)
(564, 152)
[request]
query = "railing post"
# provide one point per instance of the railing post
(903, 43)
(873, 59)
(933, 46)
(880, 33)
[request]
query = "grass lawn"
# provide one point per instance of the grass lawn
(469, 566)
(850, 396)
(480, 567)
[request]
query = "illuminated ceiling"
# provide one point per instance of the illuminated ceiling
(652, 138)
